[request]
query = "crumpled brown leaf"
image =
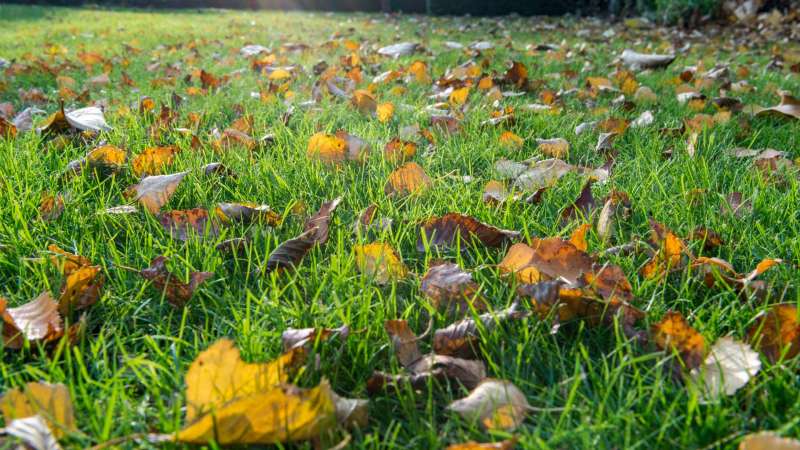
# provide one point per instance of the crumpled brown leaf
(175, 291)
(442, 233)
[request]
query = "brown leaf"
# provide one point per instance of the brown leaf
(82, 288)
(398, 150)
(246, 214)
(443, 232)
(582, 206)
(404, 341)
(776, 332)
(51, 206)
(175, 291)
(452, 290)
(153, 192)
(293, 338)
(669, 253)
(495, 404)
(554, 148)
(674, 334)
(407, 179)
(37, 321)
(765, 440)
(291, 252)
(549, 258)
(788, 107)
(181, 224)
(460, 339)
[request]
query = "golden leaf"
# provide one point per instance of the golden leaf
(379, 260)
(50, 401)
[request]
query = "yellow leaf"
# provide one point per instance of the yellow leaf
(407, 179)
(81, 289)
(50, 401)
(459, 96)
(279, 74)
(278, 414)
(511, 140)
(327, 147)
(385, 111)
(219, 375)
(152, 160)
(578, 237)
(380, 261)
(106, 155)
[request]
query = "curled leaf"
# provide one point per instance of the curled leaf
(443, 232)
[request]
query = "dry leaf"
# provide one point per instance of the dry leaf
(674, 334)
(507, 444)
(153, 160)
(554, 148)
(765, 440)
(181, 224)
(729, 365)
(776, 332)
(451, 289)
(51, 402)
(640, 61)
(443, 232)
(407, 179)
(153, 192)
(175, 291)
(789, 107)
(380, 262)
(37, 321)
(496, 404)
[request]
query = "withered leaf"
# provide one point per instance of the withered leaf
(549, 258)
(181, 224)
(495, 404)
(175, 291)
(153, 192)
(639, 61)
(460, 338)
(291, 252)
(37, 321)
(380, 261)
(443, 232)
(776, 332)
(409, 178)
(246, 213)
(50, 402)
(674, 334)
(153, 160)
(293, 338)
(788, 107)
(451, 289)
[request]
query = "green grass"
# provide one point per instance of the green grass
(126, 373)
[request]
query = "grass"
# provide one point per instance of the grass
(126, 373)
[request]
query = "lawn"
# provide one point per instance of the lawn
(595, 381)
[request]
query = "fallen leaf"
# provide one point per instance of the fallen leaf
(640, 61)
(293, 338)
(384, 112)
(326, 147)
(549, 258)
(765, 440)
(289, 253)
(181, 224)
(776, 332)
(153, 192)
(460, 339)
(788, 107)
(728, 367)
(218, 375)
(674, 334)
(50, 402)
(669, 253)
(246, 214)
(554, 148)
(443, 232)
(399, 49)
(452, 290)
(175, 291)
(153, 160)
(33, 431)
(380, 262)
(82, 288)
(37, 321)
(407, 179)
(496, 404)
(398, 150)
(507, 444)
(51, 206)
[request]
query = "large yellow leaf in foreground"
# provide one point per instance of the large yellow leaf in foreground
(219, 375)
(279, 414)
